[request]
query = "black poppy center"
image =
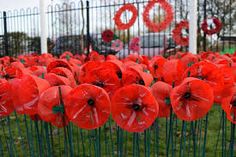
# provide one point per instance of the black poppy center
(91, 102)
(141, 82)
(155, 66)
(119, 74)
(187, 95)
(99, 84)
(234, 103)
(136, 107)
(201, 77)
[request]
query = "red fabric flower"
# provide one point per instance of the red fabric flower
(134, 75)
(88, 106)
(117, 45)
(56, 80)
(51, 105)
(121, 25)
(66, 55)
(188, 59)
(156, 67)
(39, 71)
(105, 78)
(134, 45)
(25, 93)
(208, 72)
(6, 107)
(229, 106)
(158, 27)
(211, 31)
(86, 68)
(59, 63)
(65, 73)
(192, 99)
(107, 36)
(161, 91)
(134, 108)
(177, 33)
(173, 71)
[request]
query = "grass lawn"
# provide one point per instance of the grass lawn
(20, 136)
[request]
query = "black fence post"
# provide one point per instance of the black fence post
(205, 15)
(5, 33)
(87, 27)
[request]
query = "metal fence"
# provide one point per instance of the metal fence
(71, 26)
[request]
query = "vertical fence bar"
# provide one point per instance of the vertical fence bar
(87, 27)
(5, 33)
(43, 26)
(193, 27)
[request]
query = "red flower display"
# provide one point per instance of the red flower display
(25, 93)
(6, 107)
(104, 78)
(65, 73)
(59, 63)
(156, 67)
(158, 27)
(121, 25)
(172, 72)
(177, 33)
(192, 99)
(88, 106)
(51, 105)
(211, 31)
(161, 91)
(56, 80)
(134, 108)
(134, 45)
(107, 36)
(117, 45)
(208, 72)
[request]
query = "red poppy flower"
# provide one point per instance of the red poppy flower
(88, 106)
(59, 63)
(5, 60)
(66, 55)
(192, 99)
(56, 80)
(134, 108)
(86, 68)
(158, 27)
(228, 87)
(38, 70)
(156, 66)
(134, 45)
(6, 107)
(104, 78)
(111, 57)
(216, 29)
(107, 36)
(94, 56)
(65, 73)
(51, 105)
(229, 106)
(177, 33)
(173, 71)
(127, 7)
(115, 65)
(25, 93)
(11, 72)
(208, 72)
(161, 91)
(135, 57)
(133, 75)
(189, 59)
(80, 57)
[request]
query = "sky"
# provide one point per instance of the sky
(16, 4)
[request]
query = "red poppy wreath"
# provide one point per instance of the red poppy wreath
(121, 25)
(177, 33)
(158, 27)
(211, 31)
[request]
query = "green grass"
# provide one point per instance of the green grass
(20, 136)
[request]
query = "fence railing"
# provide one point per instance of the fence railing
(70, 24)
